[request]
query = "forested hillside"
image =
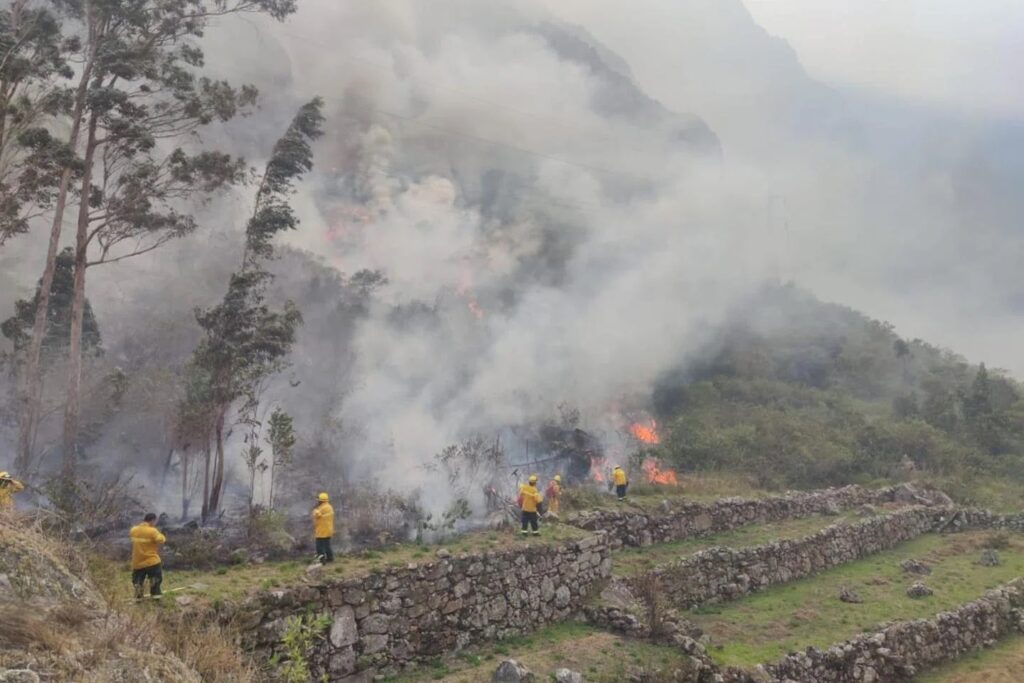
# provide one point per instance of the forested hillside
(803, 393)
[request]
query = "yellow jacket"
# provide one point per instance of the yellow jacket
(8, 488)
(529, 498)
(619, 476)
(145, 541)
(323, 521)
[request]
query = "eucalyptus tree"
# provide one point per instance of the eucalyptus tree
(246, 340)
(141, 102)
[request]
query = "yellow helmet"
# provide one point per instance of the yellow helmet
(5, 475)
(558, 478)
(533, 478)
(323, 498)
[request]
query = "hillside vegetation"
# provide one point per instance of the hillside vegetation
(801, 393)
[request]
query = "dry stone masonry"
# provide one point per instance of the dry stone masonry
(901, 650)
(404, 615)
(719, 574)
(634, 527)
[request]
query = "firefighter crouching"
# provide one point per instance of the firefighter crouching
(529, 501)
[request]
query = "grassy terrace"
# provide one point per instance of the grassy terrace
(632, 561)
(601, 657)
(766, 626)
(235, 581)
(1002, 664)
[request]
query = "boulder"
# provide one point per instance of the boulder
(989, 558)
(567, 676)
(911, 566)
(919, 590)
(850, 596)
(511, 671)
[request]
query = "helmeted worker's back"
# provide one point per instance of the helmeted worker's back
(619, 476)
(529, 498)
(323, 521)
(146, 540)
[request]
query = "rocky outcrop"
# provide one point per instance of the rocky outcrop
(718, 574)
(56, 625)
(635, 527)
(399, 616)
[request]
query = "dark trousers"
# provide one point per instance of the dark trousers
(323, 549)
(529, 519)
(155, 575)
(620, 491)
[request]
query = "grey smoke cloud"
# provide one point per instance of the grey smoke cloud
(553, 233)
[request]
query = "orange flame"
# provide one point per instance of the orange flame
(656, 475)
(645, 433)
(596, 467)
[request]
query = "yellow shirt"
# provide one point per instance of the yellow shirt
(619, 476)
(530, 497)
(323, 521)
(7, 490)
(145, 541)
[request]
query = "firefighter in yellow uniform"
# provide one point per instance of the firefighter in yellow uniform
(8, 487)
(553, 493)
(323, 528)
(620, 481)
(146, 541)
(529, 501)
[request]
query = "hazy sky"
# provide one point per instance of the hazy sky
(967, 53)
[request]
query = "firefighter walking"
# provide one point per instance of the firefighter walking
(529, 500)
(323, 528)
(146, 541)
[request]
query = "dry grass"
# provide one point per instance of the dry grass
(208, 647)
(25, 628)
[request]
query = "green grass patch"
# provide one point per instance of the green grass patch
(224, 584)
(791, 617)
(1000, 664)
(632, 561)
(601, 657)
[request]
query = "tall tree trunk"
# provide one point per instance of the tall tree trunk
(206, 480)
(72, 410)
(30, 381)
(185, 500)
(273, 466)
(217, 484)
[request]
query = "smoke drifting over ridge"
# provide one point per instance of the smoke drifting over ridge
(557, 238)
(549, 231)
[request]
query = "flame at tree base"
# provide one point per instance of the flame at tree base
(656, 475)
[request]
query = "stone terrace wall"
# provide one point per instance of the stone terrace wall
(410, 614)
(718, 574)
(899, 651)
(633, 527)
